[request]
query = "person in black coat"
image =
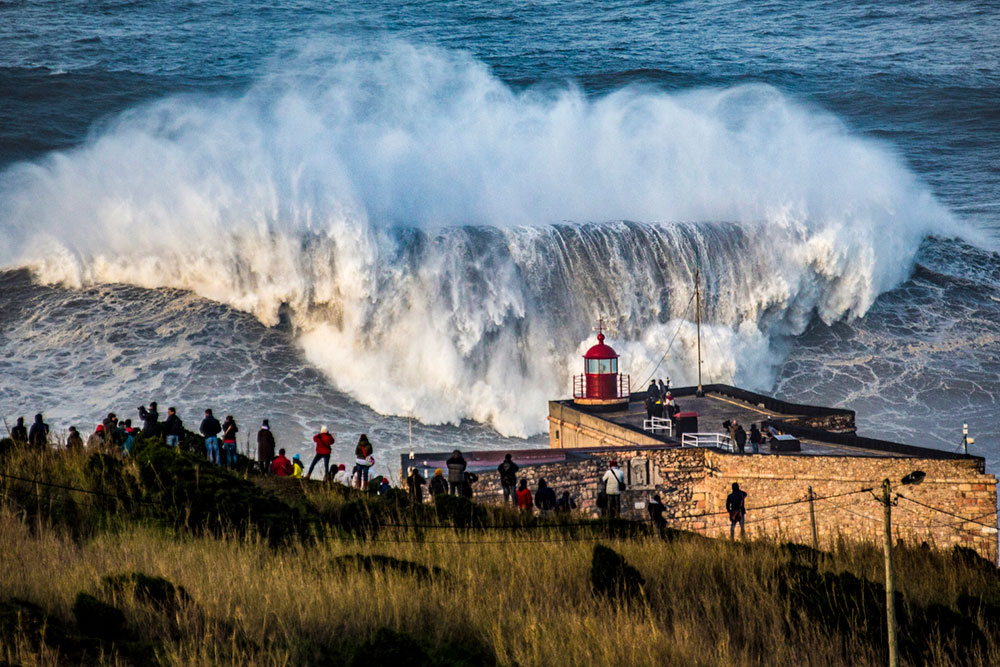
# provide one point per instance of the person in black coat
(656, 508)
(508, 478)
(545, 497)
(438, 483)
(150, 420)
(414, 482)
(265, 447)
(38, 434)
(741, 439)
(456, 473)
(19, 433)
(173, 427)
(566, 503)
(210, 428)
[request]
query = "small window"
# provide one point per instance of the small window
(605, 366)
(592, 366)
(614, 365)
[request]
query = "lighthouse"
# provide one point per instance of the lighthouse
(601, 386)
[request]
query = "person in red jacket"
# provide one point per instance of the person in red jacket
(281, 466)
(324, 442)
(524, 496)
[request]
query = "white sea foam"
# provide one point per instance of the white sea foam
(406, 207)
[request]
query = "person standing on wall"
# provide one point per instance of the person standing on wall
(741, 439)
(508, 478)
(736, 505)
(324, 445)
(756, 438)
(173, 428)
(614, 484)
(265, 447)
(363, 460)
(456, 473)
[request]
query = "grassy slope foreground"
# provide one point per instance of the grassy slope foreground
(162, 559)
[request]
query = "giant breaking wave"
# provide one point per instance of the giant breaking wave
(443, 243)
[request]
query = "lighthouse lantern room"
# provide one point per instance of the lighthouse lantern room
(601, 385)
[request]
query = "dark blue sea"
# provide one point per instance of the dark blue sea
(391, 215)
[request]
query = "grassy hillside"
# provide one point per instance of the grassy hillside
(162, 559)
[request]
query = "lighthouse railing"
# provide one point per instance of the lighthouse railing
(624, 386)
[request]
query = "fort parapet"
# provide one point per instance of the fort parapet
(954, 505)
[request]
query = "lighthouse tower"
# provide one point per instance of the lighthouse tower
(601, 387)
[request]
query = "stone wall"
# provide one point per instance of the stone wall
(570, 428)
(693, 484)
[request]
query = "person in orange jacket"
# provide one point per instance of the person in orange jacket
(524, 502)
(281, 466)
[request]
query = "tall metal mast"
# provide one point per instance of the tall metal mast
(697, 317)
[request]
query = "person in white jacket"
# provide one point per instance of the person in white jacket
(614, 484)
(342, 477)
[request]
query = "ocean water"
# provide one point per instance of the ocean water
(404, 219)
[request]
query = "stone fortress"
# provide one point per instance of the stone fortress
(817, 473)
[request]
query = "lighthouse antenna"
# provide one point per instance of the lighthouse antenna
(602, 326)
(697, 318)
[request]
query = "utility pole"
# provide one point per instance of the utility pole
(812, 519)
(697, 317)
(890, 585)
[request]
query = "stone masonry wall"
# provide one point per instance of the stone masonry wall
(693, 484)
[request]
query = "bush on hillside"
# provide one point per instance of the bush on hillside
(201, 496)
(155, 591)
(363, 563)
(98, 619)
(611, 576)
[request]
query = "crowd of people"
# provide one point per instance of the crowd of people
(659, 402)
(113, 435)
(739, 436)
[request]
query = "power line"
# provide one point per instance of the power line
(79, 490)
(938, 509)
(670, 344)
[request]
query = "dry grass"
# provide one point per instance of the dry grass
(524, 597)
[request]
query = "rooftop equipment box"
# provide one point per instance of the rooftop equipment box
(685, 422)
(785, 443)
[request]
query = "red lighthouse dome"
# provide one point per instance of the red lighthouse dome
(601, 384)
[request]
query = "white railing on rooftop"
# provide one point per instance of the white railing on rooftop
(657, 424)
(707, 440)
